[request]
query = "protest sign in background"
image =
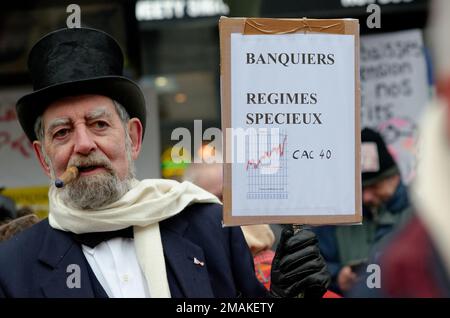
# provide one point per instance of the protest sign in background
(394, 91)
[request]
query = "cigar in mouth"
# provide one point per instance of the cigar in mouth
(67, 177)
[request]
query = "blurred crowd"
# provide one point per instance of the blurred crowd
(13, 220)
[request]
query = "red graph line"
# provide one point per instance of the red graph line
(268, 154)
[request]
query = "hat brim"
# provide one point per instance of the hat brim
(119, 88)
(369, 179)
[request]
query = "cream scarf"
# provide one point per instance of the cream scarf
(431, 188)
(146, 204)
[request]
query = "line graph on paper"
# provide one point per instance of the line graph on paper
(266, 164)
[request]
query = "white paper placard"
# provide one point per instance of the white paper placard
(304, 86)
(395, 91)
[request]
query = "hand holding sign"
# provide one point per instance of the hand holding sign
(298, 268)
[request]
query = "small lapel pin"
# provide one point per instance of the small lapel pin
(197, 262)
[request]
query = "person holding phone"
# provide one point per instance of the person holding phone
(385, 205)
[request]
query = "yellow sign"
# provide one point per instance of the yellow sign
(35, 198)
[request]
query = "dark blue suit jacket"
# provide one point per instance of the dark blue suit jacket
(35, 262)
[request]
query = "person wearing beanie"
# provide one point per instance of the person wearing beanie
(381, 180)
(415, 262)
(377, 162)
(386, 205)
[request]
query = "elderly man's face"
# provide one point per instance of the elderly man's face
(86, 131)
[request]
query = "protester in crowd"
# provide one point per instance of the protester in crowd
(416, 261)
(124, 237)
(385, 206)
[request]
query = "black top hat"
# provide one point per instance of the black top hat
(386, 164)
(77, 61)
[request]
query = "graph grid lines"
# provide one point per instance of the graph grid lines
(266, 165)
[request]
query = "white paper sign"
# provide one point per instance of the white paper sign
(394, 91)
(302, 85)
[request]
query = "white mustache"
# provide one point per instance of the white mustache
(94, 159)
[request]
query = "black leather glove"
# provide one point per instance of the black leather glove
(298, 268)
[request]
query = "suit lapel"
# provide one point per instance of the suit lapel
(186, 276)
(68, 274)
(67, 264)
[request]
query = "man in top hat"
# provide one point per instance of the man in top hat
(385, 205)
(109, 234)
